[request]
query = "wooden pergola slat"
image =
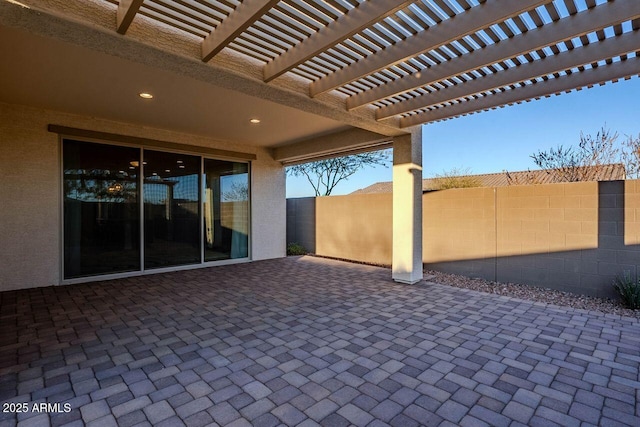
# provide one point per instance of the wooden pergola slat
(423, 60)
(570, 27)
(594, 52)
(247, 12)
(127, 10)
(466, 23)
(593, 76)
(342, 28)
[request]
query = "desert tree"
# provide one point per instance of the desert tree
(456, 178)
(324, 175)
(587, 160)
(630, 156)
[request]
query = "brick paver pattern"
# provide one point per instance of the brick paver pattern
(308, 341)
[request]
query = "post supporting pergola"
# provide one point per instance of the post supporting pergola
(407, 208)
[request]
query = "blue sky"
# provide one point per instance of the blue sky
(504, 139)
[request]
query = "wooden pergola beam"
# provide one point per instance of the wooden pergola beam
(591, 77)
(247, 12)
(573, 26)
(357, 19)
(473, 20)
(127, 10)
(594, 52)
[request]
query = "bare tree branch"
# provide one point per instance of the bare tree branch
(587, 161)
(329, 173)
(238, 192)
(630, 154)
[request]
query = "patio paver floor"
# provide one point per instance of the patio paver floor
(308, 341)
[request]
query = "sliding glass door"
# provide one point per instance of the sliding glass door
(128, 209)
(226, 210)
(101, 211)
(171, 209)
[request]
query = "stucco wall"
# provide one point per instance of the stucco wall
(29, 197)
(268, 208)
(30, 193)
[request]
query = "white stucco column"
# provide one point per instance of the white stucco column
(407, 208)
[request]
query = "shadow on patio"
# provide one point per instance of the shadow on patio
(309, 341)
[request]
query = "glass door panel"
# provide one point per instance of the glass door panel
(100, 209)
(191, 206)
(226, 210)
(171, 209)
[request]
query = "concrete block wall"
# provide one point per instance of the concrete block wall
(547, 218)
(356, 227)
(631, 213)
(618, 243)
(543, 231)
(301, 222)
(575, 237)
(459, 231)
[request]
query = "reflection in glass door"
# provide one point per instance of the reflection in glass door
(128, 209)
(101, 212)
(171, 209)
(226, 210)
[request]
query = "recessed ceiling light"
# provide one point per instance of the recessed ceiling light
(145, 95)
(254, 121)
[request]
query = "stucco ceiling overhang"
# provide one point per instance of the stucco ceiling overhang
(308, 68)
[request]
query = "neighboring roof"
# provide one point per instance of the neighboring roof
(611, 172)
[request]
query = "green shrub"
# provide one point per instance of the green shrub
(296, 249)
(629, 290)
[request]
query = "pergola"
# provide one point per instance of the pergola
(326, 77)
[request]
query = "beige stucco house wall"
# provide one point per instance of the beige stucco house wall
(30, 169)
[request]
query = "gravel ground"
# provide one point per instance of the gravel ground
(532, 293)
